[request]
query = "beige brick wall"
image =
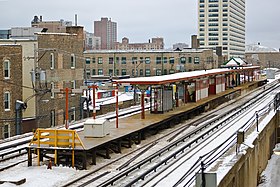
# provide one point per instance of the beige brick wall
(207, 60)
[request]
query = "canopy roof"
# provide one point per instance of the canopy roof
(182, 76)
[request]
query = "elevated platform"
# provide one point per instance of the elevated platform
(132, 129)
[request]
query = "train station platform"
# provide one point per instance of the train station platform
(132, 129)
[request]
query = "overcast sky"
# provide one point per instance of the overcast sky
(141, 20)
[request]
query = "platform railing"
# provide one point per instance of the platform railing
(56, 139)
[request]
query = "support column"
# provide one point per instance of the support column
(177, 96)
(29, 156)
(142, 104)
(93, 158)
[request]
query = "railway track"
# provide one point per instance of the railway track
(175, 138)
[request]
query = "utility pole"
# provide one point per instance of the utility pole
(93, 100)
(66, 91)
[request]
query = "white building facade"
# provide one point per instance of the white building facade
(222, 23)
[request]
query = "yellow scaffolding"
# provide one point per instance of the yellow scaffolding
(56, 139)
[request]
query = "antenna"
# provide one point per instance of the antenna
(76, 19)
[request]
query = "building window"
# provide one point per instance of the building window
(158, 60)
(7, 101)
(87, 60)
(117, 72)
(73, 86)
(183, 60)
(52, 87)
(196, 60)
(73, 61)
(171, 60)
(110, 72)
(52, 61)
(133, 73)
(7, 70)
(147, 60)
(141, 60)
(190, 59)
(6, 131)
(100, 71)
(117, 60)
(93, 72)
(100, 60)
(72, 114)
(87, 73)
(123, 71)
(52, 118)
(147, 72)
(123, 60)
(141, 72)
(93, 60)
(164, 60)
(134, 60)
(158, 72)
(111, 60)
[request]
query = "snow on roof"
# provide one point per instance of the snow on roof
(259, 48)
(180, 76)
(10, 45)
(235, 62)
(145, 51)
(50, 33)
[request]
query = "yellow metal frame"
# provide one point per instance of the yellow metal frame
(56, 138)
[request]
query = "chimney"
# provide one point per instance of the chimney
(41, 18)
(76, 20)
(195, 42)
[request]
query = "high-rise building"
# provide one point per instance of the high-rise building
(107, 31)
(222, 23)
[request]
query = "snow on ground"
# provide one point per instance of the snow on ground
(270, 176)
(39, 175)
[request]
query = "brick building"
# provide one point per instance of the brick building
(156, 44)
(147, 63)
(270, 59)
(61, 56)
(50, 26)
(11, 87)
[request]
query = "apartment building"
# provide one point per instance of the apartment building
(107, 31)
(147, 63)
(59, 58)
(10, 87)
(222, 23)
(60, 55)
(155, 44)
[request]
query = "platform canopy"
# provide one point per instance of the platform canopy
(235, 62)
(182, 76)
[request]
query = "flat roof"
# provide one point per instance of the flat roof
(182, 76)
(147, 51)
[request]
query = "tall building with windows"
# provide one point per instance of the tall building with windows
(107, 31)
(222, 23)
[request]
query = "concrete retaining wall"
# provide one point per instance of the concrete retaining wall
(248, 168)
